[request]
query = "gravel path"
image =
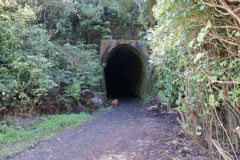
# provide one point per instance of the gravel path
(127, 132)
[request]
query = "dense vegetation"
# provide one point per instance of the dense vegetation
(35, 71)
(195, 51)
(49, 61)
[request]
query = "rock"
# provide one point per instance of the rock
(96, 101)
(181, 134)
(151, 108)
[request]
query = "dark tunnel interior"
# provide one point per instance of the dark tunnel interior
(123, 73)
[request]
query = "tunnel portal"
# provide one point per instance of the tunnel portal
(125, 69)
(123, 72)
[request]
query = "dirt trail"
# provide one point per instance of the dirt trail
(127, 132)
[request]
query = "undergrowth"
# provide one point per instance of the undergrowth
(195, 55)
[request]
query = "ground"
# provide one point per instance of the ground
(127, 132)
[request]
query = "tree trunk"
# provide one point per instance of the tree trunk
(151, 3)
(89, 37)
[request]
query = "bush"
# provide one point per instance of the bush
(24, 63)
(195, 53)
(31, 65)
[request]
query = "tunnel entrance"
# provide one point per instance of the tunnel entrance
(124, 72)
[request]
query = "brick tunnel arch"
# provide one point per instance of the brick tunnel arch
(125, 72)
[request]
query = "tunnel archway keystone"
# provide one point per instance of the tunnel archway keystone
(125, 68)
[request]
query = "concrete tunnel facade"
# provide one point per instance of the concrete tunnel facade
(125, 68)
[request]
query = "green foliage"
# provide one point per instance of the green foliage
(74, 90)
(117, 18)
(191, 50)
(31, 65)
(56, 18)
(121, 5)
(146, 99)
(109, 108)
(91, 21)
(24, 65)
(134, 12)
(44, 62)
(84, 63)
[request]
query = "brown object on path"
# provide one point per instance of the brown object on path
(115, 102)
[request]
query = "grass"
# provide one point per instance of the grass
(16, 138)
(105, 109)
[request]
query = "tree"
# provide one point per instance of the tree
(144, 9)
